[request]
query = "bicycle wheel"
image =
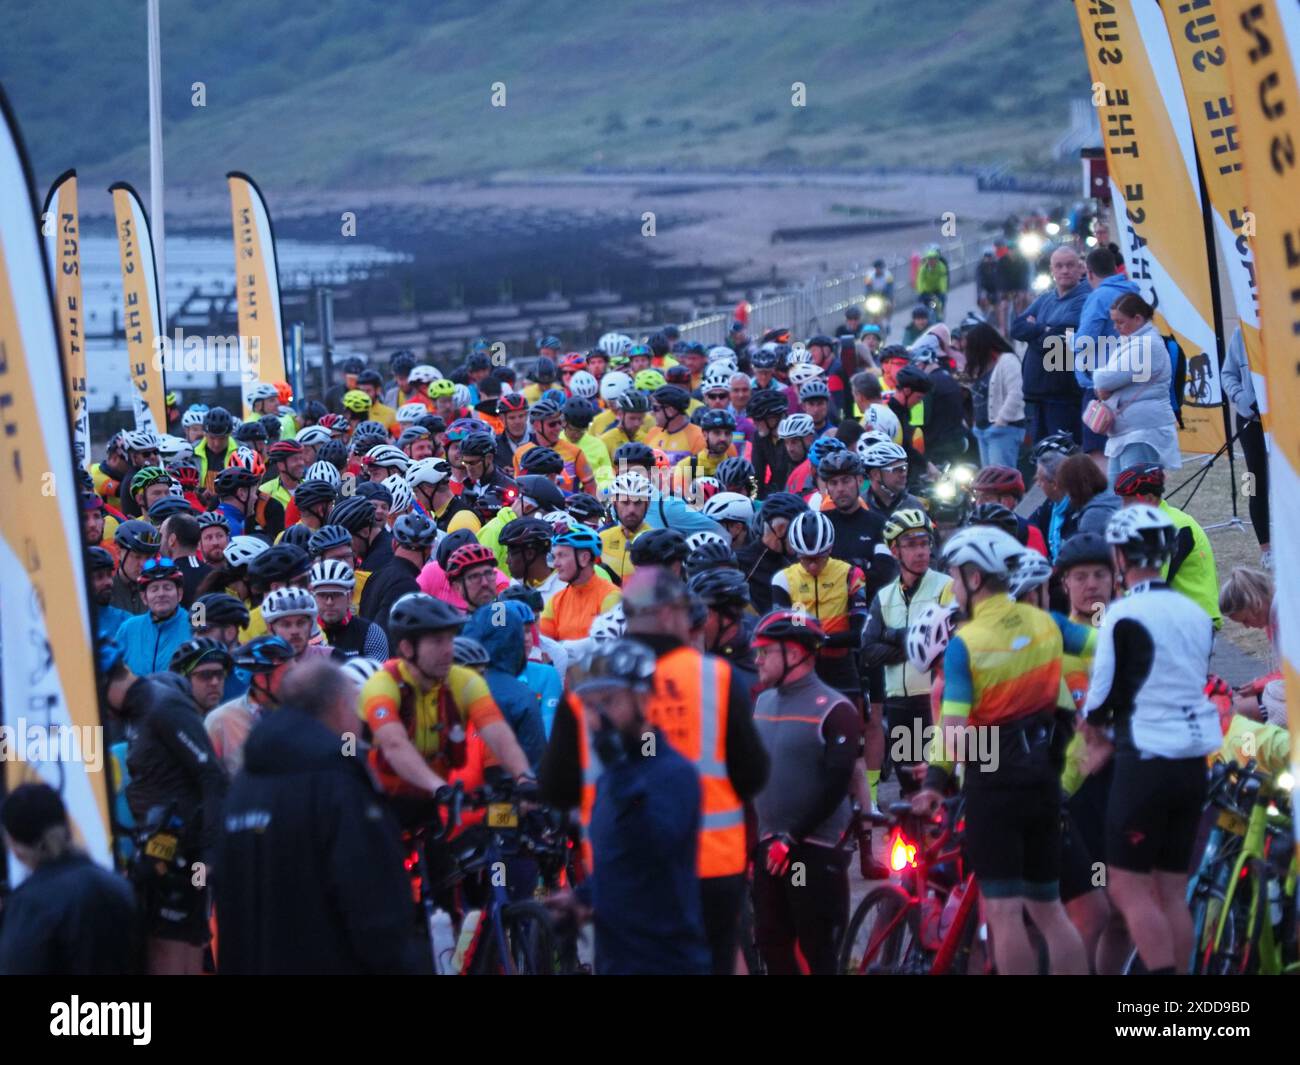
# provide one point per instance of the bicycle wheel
(530, 941)
(882, 936)
(1234, 952)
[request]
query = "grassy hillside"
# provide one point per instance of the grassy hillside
(357, 92)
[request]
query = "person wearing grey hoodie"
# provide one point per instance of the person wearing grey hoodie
(1239, 387)
(1094, 324)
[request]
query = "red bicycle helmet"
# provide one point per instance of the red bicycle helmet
(1146, 479)
(511, 401)
(1000, 479)
(793, 626)
(572, 362)
(467, 557)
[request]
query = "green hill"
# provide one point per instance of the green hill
(355, 93)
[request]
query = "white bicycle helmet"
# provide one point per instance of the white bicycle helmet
(614, 344)
(424, 373)
(630, 486)
(176, 489)
(430, 471)
(386, 456)
(881, 419)
(461, 395)
(881, 454)
(192, 417)
(719, 352)
(610, 625)
(729, 506)
(140, 440)
(988, 549)
(1144, 534)
(288, 602)
(583, 385)
(360, 670)
(315, 435)
(261, 391)
(803, 372)
(795, 425)
(698, 539)
(173, 448)
(1029, 569)
(716, 376)
(613, 386)
(928, 636)
(410, 413)
(799, 355)
(332, 573)
(403, 497)
(243, 549)
(811, 533)
(324, 471)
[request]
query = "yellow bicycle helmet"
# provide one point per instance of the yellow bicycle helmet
(442, 387)
(356, 401)
(648, 380)
(909, 519)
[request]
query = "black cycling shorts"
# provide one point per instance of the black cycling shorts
(1013, 840)
(174, 909)
(1155, 807)
(1078, 866)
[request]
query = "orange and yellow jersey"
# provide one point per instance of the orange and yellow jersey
(679, 445)
(829, 597)
(1079, 644)
(568, 614)
(577, 470)
(1004, 664)
(615, 438)
(392, 695)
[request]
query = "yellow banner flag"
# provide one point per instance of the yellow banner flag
(1262, 41)
(257, 288)
(1202, 63)
(62, 229)
(51, 729)
(143, 317)
(1151, 155)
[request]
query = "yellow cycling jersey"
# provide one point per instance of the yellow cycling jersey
(615, 551)
(828, 596)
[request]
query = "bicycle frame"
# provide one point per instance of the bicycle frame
(1254, 847)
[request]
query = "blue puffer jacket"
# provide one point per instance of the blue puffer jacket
(501, 631)
(1053, 315)
(148, 645)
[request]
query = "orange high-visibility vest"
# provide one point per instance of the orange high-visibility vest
(689, 706)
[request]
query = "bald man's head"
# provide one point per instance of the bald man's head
(1067, 269)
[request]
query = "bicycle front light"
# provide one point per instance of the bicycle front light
(1285, 782)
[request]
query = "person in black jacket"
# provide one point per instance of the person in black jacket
(413, 536)
(69, 917)
(176, 787)
(765, 555)
(771, 461)
(309, 873)
(945, 413)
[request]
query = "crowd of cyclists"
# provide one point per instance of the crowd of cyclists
(699, 601)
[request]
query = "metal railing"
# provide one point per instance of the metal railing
(813, 306)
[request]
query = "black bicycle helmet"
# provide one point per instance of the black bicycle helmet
(584, 507)
(1060, 442)
(402, 362)
(218, 608)
(715, 418)
(314, 493)
(414, 531)
(416, 613)
(673, 396)
(484, 443)
(541, 460)
(99, 558)
(233, 478)
(139, 536)
(838, 462)
(193, 653)
(262, 654)
(780, 505)
(375, 492)
(764, 359)
(313, 411)
(282, 562)
(518, 591)
(335, 452)
(578, 411)
(251, 433)
(297, 536)
(355, 513)
(525, 531)
(633, 402)
(218, 422)
(994, 514)
(658, 547)
(328, 537)
(544, 408)
(721, 589)
(709, 556)
(542, 491)
(271, 424)
(1084, 549)
(634, 453)
(737, 475)
(912, 378)
(167, 507)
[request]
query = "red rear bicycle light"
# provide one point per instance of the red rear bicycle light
(901, 853)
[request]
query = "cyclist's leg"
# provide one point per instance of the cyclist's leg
(1185, 799)
(774, 927)
(994, 846)
(1013, 954)
(821, 905)
(721, 899)
(1041, 832)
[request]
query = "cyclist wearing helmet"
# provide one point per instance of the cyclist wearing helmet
(213, 452)
(371, 383)
(348, 634)
(478, 454)
(171, 767)
(248, 511)
(815, 401)
(765, 554)
(729, 627)
(180, 534)
(888, 470)
(1004, 485)
(797, 434)
(312, 501)
(206, 664)
(772, 462)
(103, 571)
(148, 640)
(812, 734)
(629, 495)
(412, 538)
(1053, 515)
(372, 543)
(137, 542)
(630, 423)
(147, 485)
(717, 425)
(547, 422)
(734, 513)
(263, 660)
(1147, 703)
(527, 544)
(290, 460)
(906, 690)
(1012, 787)
(859, 530)
(430, 483)
(674, 434)
(666, 548)
(419, 704)
(512, 412)
(578, 414)
(1191, 568)
(569, 613)
(219, 616)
